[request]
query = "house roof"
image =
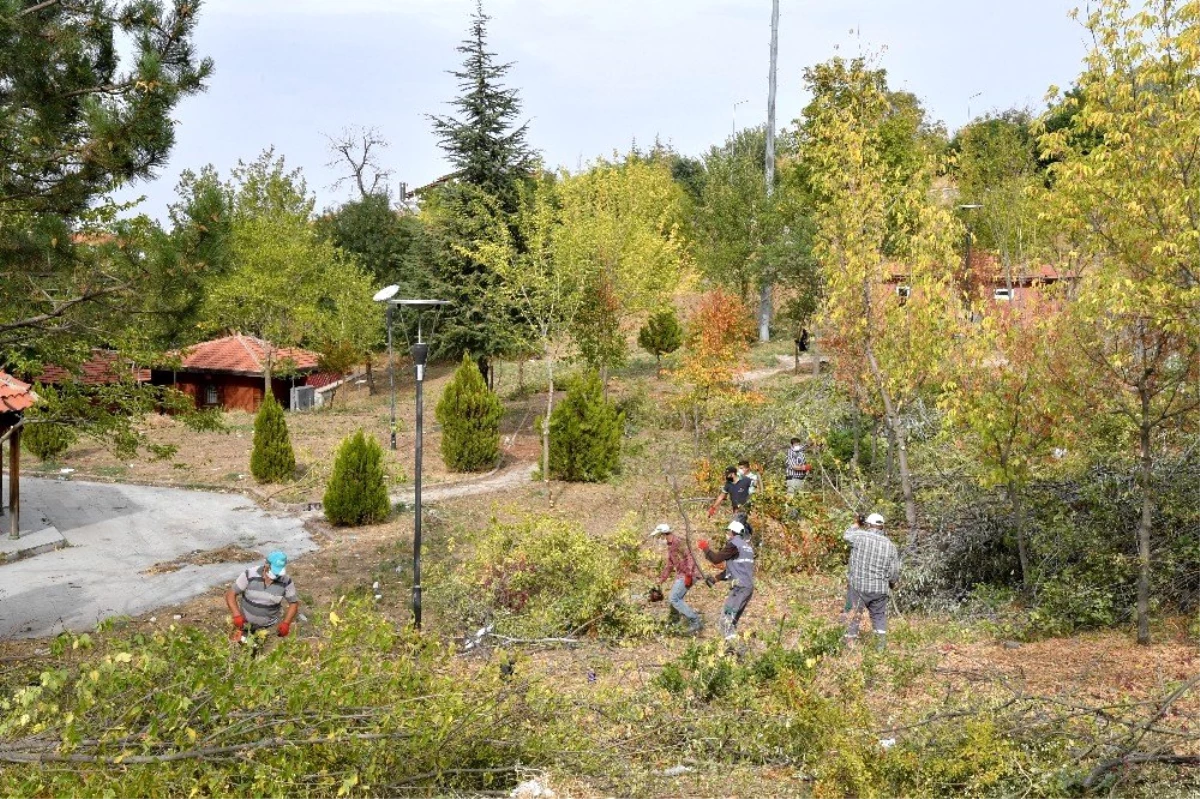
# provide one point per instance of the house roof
(322, 379)
(104, 367)
(15, 395)
(244, 355)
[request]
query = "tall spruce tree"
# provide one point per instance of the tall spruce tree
(483, 142)
(486, 146)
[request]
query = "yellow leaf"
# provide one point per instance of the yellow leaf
(191, 734)
(123, 657)
(334, 619)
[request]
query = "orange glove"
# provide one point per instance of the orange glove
(237, 636)
(703, 544)
(239, 622)
(284, 629)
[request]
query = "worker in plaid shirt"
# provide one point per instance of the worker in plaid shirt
(874, 574)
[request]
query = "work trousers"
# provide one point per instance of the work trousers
(735, 605)
(876, 605)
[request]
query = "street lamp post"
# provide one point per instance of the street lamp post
(967, 249)
(420, 355)
(385, 295)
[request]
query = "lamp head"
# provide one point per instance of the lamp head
(386, 293)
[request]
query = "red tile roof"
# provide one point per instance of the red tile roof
(238, 354)
(322, 379)
(14, 395)
(105, 366)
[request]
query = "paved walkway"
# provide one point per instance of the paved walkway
(114, 533)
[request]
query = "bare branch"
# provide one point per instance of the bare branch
(357, 148)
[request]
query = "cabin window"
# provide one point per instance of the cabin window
(1002, 294)
(210, 395)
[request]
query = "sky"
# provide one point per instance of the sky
(594, 76)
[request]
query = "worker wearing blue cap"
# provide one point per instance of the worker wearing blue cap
(257, 597)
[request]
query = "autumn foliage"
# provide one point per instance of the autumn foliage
(718, 336)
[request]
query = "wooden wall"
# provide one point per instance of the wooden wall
(234, 392)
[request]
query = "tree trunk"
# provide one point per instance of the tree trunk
(1018, 514)
(874, 443)
(812, 353)
(1145, 477)
(764, 312)
(483, 363)
(857, 433)
(893, 420)
(521, 377)
(604, 380)
(546, 423)
(370, 376)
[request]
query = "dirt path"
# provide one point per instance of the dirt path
(504, 478)
(787, 363)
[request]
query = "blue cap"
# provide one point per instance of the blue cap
(278, 563)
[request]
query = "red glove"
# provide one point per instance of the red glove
(703, 544)
(806, 467)
(237, 636)
(284, 628)
(687, 581)
(239, 621)
(712, 512)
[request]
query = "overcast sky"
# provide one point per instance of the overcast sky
(593, 75)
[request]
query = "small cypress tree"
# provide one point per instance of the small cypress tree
(470, 418)
(661, 335)
(272, 459)
(357, 492)
(585, 434)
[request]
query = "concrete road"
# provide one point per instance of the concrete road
(114, 533)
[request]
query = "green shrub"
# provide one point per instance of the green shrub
(46, 440)
(661, 335)
(470, 418)
(585, 434)
(357, 493)
(351, 707)
(272, 459)
(544, 576)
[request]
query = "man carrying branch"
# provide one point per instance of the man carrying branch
(738, 557)
(680, 563)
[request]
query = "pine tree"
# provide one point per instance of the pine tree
(483, 142)
(661, 335)
(272, 459)
(470, 418)
(585, 434)
(357, 493)
(88, 91)
(486, 146)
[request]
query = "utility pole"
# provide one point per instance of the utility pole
(764, 297)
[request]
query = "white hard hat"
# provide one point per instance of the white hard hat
(662, 529)
(875, 520)
(736, 527)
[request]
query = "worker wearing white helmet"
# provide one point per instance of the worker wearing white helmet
(874, 574)
(738, 557)
(680, 563)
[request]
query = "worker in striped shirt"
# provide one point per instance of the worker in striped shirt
(874, 574)
(262, 597)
